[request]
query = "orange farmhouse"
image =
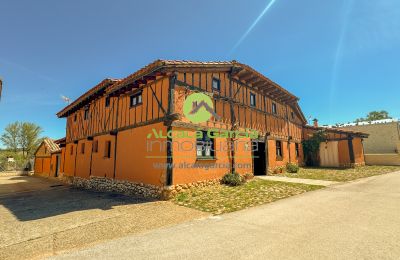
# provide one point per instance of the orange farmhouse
(131, 135)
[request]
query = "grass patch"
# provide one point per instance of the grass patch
(334, 174)
(221, 199)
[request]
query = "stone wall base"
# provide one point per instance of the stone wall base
(111, 185)
(132, 188)
(171, 191)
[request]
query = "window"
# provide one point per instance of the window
(216, 84)
(279, 153)
(274, 108)
(292, 114)
(107, 101)
(296, 145)
(107, 150)
(45, 149)
(72, 150)
(205, 146)
(136, 99)
(95, 147)
(252, 99)
(75, 118)
(86, 115)
(83, 148)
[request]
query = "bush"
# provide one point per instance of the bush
(292, 168)
(232, 179)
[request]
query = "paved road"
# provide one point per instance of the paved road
(358, 220)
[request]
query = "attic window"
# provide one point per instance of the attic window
(216, 84)
(252, 99)
(274, 108)
(107, 101)
(136, 99)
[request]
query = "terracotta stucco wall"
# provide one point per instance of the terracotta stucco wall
(83, 159)
(189, 168)
(103, 166)
(135, 158)
(69, 165)
(358, 151)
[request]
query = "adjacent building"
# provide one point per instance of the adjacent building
(383, 144)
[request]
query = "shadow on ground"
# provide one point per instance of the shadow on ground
(59, 199)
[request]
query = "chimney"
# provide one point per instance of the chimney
(315, 122)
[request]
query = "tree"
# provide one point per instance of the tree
(22, 136)
(29, 138)
(10, 137)
(374, 115)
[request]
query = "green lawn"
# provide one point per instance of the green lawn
(334, 174)
(221, 199)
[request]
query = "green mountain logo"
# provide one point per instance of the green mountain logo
(199, 108)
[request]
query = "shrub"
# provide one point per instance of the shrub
(278, 170)
(248, 176)
(292, 168)
(232, 179)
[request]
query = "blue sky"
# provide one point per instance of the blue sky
(341, 57)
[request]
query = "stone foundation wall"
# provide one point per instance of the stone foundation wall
(171, 191)
(131, 188)
(119, 186)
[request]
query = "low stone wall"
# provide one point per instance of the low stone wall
(119, 186)
(171, 191)
(382, 159)
(131, 188)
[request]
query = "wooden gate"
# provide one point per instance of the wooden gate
(329, 154)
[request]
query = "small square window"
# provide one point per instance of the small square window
(279, 153)
(274, 111)
(205, 146)
(216, 84)
(107, 101)
(252, 99)
(136, 99)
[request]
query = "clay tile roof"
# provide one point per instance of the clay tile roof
(51, 145)
(87, 96)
